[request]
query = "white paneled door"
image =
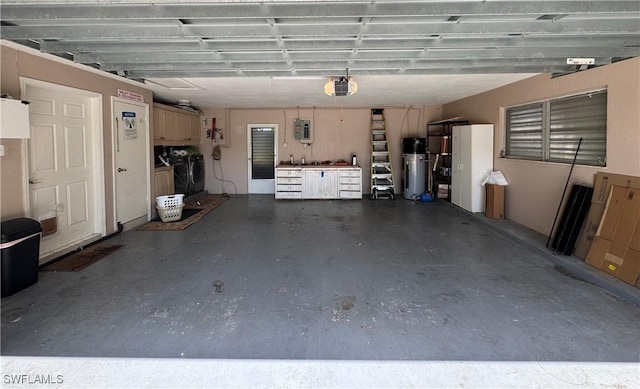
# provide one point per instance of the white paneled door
(65, 168)
(131, 161)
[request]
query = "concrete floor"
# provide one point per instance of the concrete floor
(325, 280)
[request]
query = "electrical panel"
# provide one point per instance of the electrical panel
(302, 130)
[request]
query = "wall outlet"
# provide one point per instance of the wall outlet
(1, 150)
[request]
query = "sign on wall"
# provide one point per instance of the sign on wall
(130, 126)
(128, 95)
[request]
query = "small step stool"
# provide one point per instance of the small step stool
(381, 169)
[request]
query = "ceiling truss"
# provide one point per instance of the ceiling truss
(165, 39)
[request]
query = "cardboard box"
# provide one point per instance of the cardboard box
(616, 247)
(601, 190)
(494, 208)
(443, 191)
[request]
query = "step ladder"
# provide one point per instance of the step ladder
(381, 170)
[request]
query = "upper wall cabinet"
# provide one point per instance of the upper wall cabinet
(14, 119)
(175, 127)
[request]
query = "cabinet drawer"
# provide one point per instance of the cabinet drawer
(349, 173)
(289, 180)
(289, 172)
(289, 188)
(349, 186)
(288, 195)
(350, 180)
(347, 194)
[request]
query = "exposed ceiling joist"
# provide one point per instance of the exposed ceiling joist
(194, 45)
(174, 30)
(216, 39)
(361, 55)
(98, 10)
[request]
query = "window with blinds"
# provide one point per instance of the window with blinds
(550, 130)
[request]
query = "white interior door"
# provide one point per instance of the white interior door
(263, 157)
(65, 163)
(131, 159)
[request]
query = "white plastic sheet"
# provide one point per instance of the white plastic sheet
(495, 178)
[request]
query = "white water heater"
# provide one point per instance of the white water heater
(414, 159)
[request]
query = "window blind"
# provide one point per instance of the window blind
(262, 153)
(524, 131)
(578, 117)
(550, 130)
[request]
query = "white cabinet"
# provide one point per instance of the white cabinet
(472, 161)
(14, 119)
(320, 184)
(350, 183)
(312, 182)
(288, 183)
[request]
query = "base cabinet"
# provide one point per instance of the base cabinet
(288, 183)
(318, 182)
(350, 183)
(164, 183)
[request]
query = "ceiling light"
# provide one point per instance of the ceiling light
(341, 86)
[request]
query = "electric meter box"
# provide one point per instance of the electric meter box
(302, 130)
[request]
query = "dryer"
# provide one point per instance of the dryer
(180, 174)
(196, 173)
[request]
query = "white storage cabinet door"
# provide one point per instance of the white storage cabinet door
(320, 184)
(472, 161)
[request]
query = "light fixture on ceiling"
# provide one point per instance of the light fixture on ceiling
(341, 86)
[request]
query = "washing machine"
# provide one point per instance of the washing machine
(196, 173)
(180, 174)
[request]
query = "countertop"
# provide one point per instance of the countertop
(319, 166)
(163, 168)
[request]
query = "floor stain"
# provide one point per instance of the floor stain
(408, 312)
(231, 324)
(342, 304)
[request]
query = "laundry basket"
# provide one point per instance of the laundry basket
(170, 214)
(170, 200)
(170, 207)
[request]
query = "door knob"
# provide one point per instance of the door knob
(121, 170)
(32, 182)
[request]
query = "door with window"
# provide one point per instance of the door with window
(262, 152)
(65, 164)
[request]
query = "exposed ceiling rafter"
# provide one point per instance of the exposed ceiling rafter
(219, 38)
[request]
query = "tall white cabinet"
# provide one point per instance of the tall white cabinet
(471, 162)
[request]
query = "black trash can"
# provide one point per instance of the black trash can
(20, 248)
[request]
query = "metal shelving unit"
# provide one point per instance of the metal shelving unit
(439, 137)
